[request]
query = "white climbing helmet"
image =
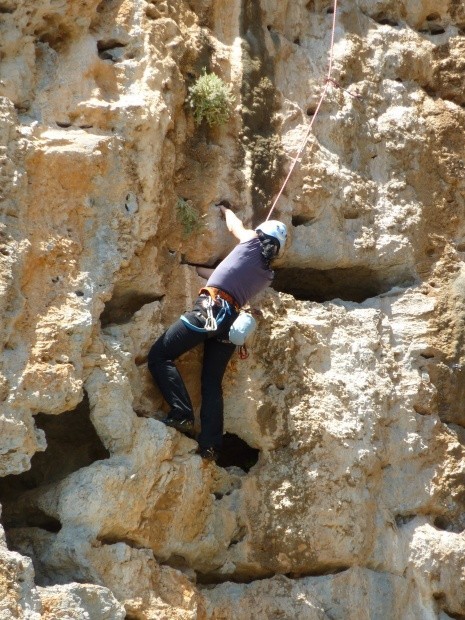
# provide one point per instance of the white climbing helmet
(275, 229)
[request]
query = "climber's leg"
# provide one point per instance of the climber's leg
(217, 354)
(174, 342)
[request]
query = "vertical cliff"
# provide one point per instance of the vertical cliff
(341, 490)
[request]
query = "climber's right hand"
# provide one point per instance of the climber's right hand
(223, 205)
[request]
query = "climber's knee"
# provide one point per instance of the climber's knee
(156, 355)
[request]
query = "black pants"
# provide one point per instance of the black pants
(217, 352)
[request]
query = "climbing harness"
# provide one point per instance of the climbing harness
(212, 323)
(242, 328)
(328, 82)
(218, 292)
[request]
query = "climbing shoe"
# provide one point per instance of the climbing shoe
(208, 454)
(186, 427)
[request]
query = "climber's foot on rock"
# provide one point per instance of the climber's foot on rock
(209, 454)
(186, 427)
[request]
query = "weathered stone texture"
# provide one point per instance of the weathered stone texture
(353, 393)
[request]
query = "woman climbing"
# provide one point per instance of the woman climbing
(242, 274)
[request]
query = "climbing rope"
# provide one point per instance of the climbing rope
(328, 82)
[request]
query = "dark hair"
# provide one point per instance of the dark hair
(270, 246)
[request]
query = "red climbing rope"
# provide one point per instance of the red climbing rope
(328, 82)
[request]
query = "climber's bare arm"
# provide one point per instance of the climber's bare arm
(235, 225)
(204, 272)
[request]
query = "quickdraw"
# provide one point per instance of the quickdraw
(212, 323)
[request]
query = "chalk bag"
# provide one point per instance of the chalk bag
(242, 328)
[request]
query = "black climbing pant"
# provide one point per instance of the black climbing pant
(178, 339)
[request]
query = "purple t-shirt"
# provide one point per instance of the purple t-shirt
(243, 273)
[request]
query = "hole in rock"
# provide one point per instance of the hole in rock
(215, 578)
(320, 572)
(152, 13)
(427, 356)
(435, 30)
(432, 17)
(350, 213)
(114, 540)
(447, 525)
(429, 91)
(72, 443)
(108, 44)
(22, 107)
(209, 579)
(120, 308)
(350, 284)
(110, 49)
(30, 518)
(157, 10)
(238, 537)
(403, 519)
(440, 597)
(301, 220)
(442, 523)
(6, 8)
(54, 34)
(63, 124)
(178, 562)
(237, 452)
(384, 20)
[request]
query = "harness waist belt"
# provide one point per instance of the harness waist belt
(217, 292)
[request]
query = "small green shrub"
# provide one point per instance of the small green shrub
(188, 216)
(210, 99)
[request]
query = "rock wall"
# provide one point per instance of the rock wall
(341, 490)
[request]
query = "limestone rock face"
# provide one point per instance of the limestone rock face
(19, 598)
(340, 490)
(78, 601)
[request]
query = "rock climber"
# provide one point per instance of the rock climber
(242, 274)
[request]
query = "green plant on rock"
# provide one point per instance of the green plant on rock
(210, 99)
(188, 216)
